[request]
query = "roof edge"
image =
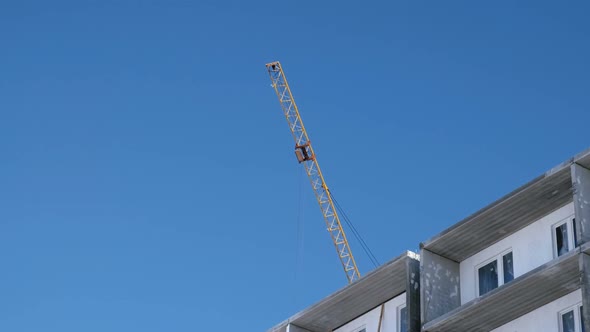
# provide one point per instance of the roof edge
(520, 190)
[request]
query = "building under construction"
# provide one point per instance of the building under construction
(520, 264)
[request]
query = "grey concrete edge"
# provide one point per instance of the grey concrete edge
(281, 327)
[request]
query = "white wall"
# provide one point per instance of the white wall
(545, 318)
(531, 247)
(371, 319)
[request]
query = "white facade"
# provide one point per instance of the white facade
(531, 247)
(545, 318)
(370, 320)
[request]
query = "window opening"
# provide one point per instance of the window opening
(561, 239)
(575, 234)
(564, 236)
(581, 316)
(495, 273)
(402, 319)
(488, 277)
(508, 267)
(570, 320)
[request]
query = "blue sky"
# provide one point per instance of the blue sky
(148, 181)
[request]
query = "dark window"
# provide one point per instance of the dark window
(575, 234)
(561, 239)
(508, 266)
(403, 320)
(568, 322)
(582, 319)
(488, 277)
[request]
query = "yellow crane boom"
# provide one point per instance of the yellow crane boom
(305, 155)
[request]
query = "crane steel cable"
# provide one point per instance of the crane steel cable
(299, 249)
(355, 232)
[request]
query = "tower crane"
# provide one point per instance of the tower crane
(306, 156)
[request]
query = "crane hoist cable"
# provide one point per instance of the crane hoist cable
(305, 155)
(355, 232)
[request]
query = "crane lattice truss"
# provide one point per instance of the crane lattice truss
(305, 155)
